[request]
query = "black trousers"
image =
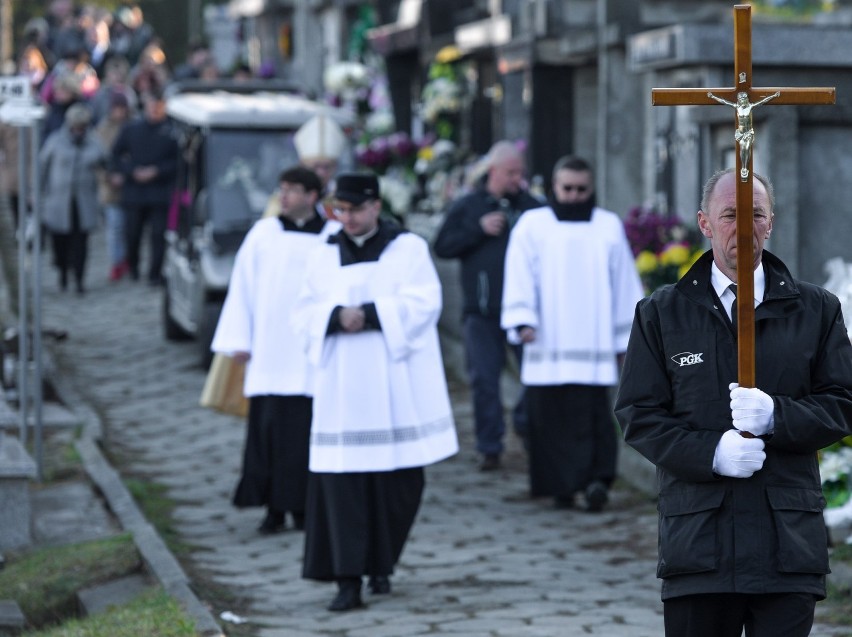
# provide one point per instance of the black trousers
(136, 218)
(726, 614)
(70, 250)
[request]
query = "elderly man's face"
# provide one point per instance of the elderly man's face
(324, 168)
(719, 223)
(506, 177)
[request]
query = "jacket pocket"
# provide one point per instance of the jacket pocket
(689, 540)
(799, 529)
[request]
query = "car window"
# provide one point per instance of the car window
(242, 172)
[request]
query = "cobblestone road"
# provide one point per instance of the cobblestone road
(482, 560)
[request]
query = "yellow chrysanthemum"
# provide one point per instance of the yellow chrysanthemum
(426, 153)
(676, 254)
(646, 261)
(685, 267)
(448, 54)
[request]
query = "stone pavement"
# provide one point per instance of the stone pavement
(483, 559)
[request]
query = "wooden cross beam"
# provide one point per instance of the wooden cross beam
(743, 97)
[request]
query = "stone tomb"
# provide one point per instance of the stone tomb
(16, 470)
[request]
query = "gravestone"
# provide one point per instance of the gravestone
(17, 468)
(103, 597)
(12, 620)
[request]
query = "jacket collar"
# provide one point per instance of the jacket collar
(779, 282)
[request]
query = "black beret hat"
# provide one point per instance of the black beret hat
(356, 188)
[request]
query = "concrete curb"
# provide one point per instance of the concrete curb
(159, 560)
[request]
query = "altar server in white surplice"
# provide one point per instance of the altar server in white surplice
(368, 313)
(569, 294)
(255, 327)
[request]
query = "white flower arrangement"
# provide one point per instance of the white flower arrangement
(835, 471)
(440, 95)
(346, 77)
(397, 192)
(836, 466)
(380, 122)
(440, 155)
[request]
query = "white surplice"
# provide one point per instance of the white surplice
(381, 400)
(575, 282)
(255, 318)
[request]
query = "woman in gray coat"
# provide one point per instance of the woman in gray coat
(69, 161)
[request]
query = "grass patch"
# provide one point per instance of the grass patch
(61, 460)
(157, 508)
(44, 582)
(152, 614)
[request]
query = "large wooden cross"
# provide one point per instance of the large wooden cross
(743, 97)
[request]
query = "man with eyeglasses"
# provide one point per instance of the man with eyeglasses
(570, 292)
(368, 315)
(476, 231)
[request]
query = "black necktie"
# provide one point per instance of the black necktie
(733, 288)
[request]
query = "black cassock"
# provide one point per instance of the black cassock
(275, 460)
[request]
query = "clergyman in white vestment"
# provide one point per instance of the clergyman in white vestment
(569, 294)
(368, 314)
(255, 326)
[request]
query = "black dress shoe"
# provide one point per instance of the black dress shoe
(348, 595)
(563, 502)
(379, 585)
(491, 462)
(596, 496)
(272, 523)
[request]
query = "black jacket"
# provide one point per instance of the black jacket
(141, 143)
(764, 534)
(482, 256)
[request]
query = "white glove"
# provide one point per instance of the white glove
(738, 457)
(752, 410)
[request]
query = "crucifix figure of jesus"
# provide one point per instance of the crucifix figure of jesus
(744, 134)
(744, 99)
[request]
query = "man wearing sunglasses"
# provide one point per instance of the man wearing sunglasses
(569, 295)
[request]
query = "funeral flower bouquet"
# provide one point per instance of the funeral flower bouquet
(346, 78)
(398, 190)
(386, 151)
(664, 248)
(442, 95)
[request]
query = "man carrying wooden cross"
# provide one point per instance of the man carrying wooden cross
(742, 540)
(732, 405)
